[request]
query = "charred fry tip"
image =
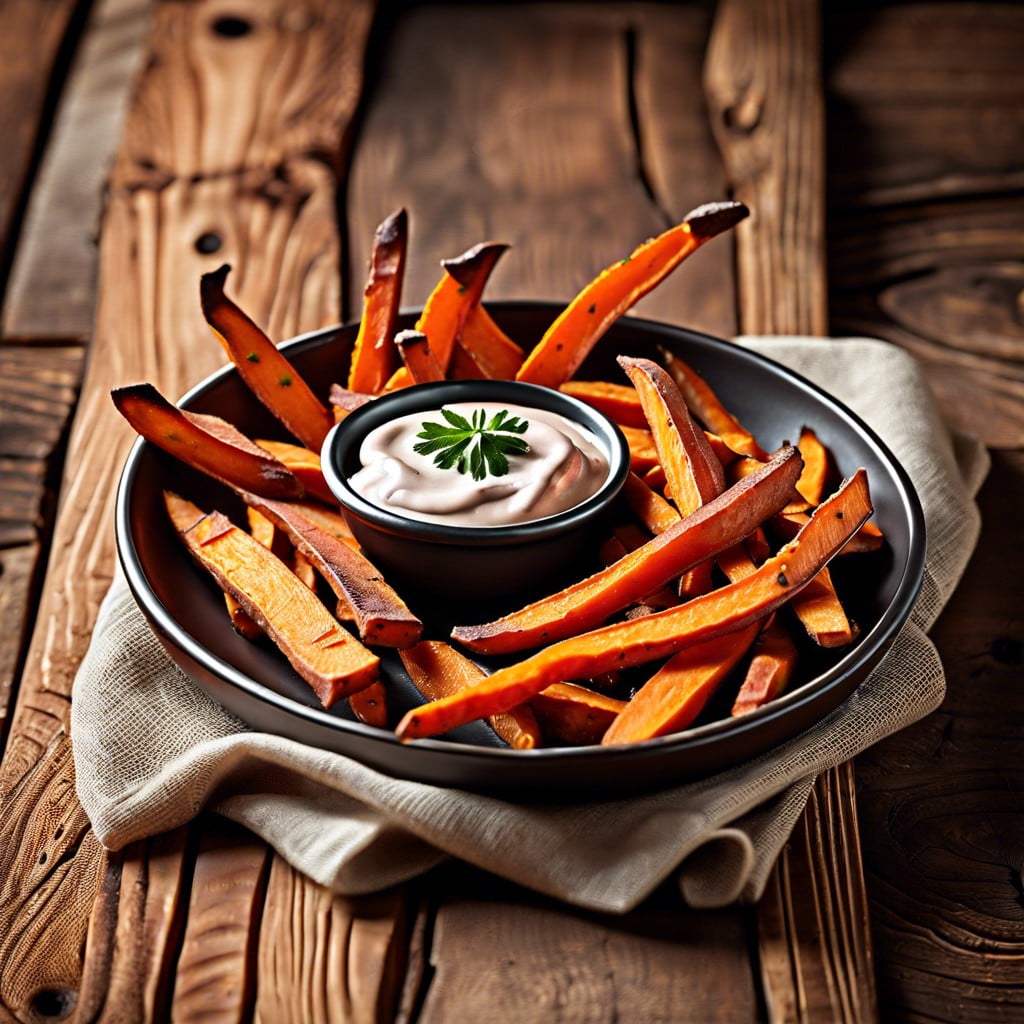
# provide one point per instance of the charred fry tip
(392, 227)
(465, 267)
(211, 286)
(713, 218)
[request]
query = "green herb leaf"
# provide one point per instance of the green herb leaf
(474, 445)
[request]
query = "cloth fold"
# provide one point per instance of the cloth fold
(151, 749)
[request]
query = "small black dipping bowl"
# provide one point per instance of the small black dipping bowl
(470, 561)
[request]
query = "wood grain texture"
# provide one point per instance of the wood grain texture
(231, 85)
(17, 572)
(763, 79)
(135, 931)
(49, 866)
(31, 32)
(942, 803)
(326, 958)
(924, 101)
(52, 289)
(273, 216)
(942, 279)
(448, 133)
(501, 959)
(214, 977)
(679, 159)
(764, 89)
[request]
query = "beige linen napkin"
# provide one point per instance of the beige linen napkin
(151, 749)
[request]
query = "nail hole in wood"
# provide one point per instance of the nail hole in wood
(59, 832)
(42, 857)
(232, 28)
(208, 242)
(54, 1003)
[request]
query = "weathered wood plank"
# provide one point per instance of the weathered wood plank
(507, 958)
(38, 387)
(322, 957)
(49, 867)
(237, 84)
(763, 79)
(682, 165)
(31, 32)
(764, 88)
(134, 931)
(52, 291)
(436, 138)
(448, 128)
(942, 802)
(924, 101)
(214, 977)
(17, 571)
(942, 280)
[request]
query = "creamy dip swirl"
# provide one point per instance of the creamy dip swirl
(564, 466)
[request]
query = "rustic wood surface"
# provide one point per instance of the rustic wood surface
(922, 238)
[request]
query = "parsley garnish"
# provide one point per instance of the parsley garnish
(473, 443)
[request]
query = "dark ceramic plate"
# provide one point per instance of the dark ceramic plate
(254, 682)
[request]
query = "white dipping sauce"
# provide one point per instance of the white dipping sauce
(564, 466)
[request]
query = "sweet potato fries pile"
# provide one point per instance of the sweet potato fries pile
(724, 557)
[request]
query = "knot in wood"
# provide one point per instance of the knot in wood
(744, 115)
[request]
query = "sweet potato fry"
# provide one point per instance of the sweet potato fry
(374, 358)
(437, 671)
(380, 614)
(643, 456)
(770, 670)
(495, 355)
(811, 484)
(677, 693)
(205, 442)
(725, 520)
(448, 305)
(708, 408)
(693, 473)
(649, 506)
(330, 659)
(268, 374)
(328, 519)
(343, 401)
(622, 645)
(619, 402)
(417, 357)
(370, 706)
(568, 341)
(574, 714)
(304, 464)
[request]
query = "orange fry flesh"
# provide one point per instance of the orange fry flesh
(438, 670)
(723, 521)
(418, 357)
(622, 645)
(266, 372)
(305, 465)
(568, 341)
(770, 670)
(329, 658)
(380, 614)
(374, 358)
(207, 443)
(677, 693)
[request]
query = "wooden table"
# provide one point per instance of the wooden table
(881, 149)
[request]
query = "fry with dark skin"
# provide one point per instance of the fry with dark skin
(374, 358)
(207, 443)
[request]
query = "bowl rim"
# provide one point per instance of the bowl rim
(869, 648)
(351, 431)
